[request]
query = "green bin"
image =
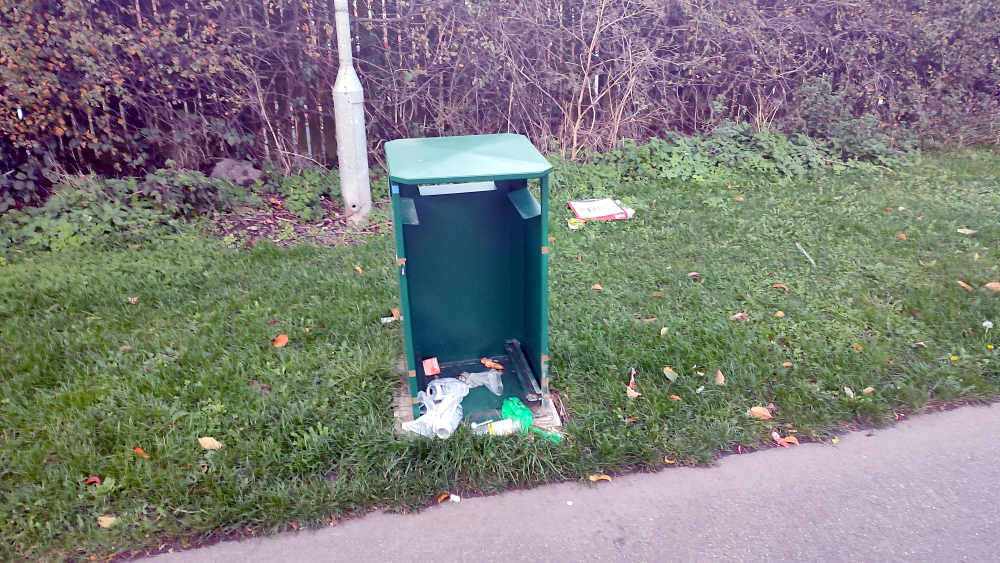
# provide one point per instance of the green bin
(472, 258)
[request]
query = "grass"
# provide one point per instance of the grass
(87, 376)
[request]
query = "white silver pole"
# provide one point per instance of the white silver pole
(349, 113)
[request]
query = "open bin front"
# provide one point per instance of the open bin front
(472, 260)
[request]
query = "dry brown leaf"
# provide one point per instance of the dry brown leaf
(694, 275)
(597, 287)
(670, 373)
(780, 286)
(676, 398)
(975, 256)
(779, 314)
(649, 320)
(209, 443)
(784, 442)
(579, 257)
(760, 412)
(359, 270)
(443, 497)
(740, 317)
(868, 390)
(669, 461)
(729, 186)
(858, 347)
(738, 197)
(140, 452)
(656, 294)
(965, 285)
(993, 286)
(280, 340)
(700, 372)
(920, 344)
(901, 236)
(396, 314)
(106, 521)
(966, 231)
(599, 477)
(719, 378)
(133, 300)
(632, 393)
(787, 364)
(491, 364)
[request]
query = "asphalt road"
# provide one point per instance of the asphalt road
(923, 490)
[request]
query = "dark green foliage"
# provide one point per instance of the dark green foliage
(302, 191)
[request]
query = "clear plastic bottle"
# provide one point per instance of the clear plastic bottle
(499, 428)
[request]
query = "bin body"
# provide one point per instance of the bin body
(472, 260)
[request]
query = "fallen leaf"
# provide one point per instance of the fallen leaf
(280, 340)
(901, 236)
(124, 348)
(900, 208)
(491, 364)
(787, 364)
(740, 317)
(630, 420)
(649, 320)
(631, 378)
(106, 521)
(993, 286)
(694, 275)
(359, 270)
(443, 497)
(669, 461)
(729, 186)
(966, 231)
(579, 257)
(868, 390)
(92, 481)
(597, 287)
(670, 373)
(552, 239)
(835, 440)
(784, 442)
(396, 314)
(676, 398)
(965, 285)
(719, 378)
(738, 197)
(663, 332)
(920, 344)
(858, 347)
(921, 218)
(779, 314)
(599, 477)
(140, 452)
(760, 412)
(632, 393)
(133, 300)
(849, 392)
(656, 294)
(975, 256)
(273, 322)
(699, 390)
(773, 409)
(780, 286)
(209, 443)
(701, 373)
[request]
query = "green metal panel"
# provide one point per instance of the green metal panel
(470, 158)
(472, 260)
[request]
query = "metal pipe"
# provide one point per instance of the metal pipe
(349, 115)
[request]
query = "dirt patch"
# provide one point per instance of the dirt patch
(244, 227)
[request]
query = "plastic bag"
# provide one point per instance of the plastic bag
(443, 405)
(492, 379)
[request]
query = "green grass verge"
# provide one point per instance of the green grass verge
(85, 376)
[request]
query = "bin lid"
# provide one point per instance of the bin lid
(435, 160)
